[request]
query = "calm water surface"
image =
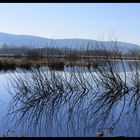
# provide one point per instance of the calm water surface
(73, 118)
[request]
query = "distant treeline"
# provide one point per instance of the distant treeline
(56, 57)
(71, 53)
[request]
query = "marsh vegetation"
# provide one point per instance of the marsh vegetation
(70, 100)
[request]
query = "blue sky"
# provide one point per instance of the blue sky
(82, 20)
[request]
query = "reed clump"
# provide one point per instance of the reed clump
(24, 64)
(7, 65)
(56, 65)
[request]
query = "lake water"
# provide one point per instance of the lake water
(80, 111)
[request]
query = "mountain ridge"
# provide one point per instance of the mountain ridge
(37, 41)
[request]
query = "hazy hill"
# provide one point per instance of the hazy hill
(35, 41)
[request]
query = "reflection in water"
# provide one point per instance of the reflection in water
(75, 103)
